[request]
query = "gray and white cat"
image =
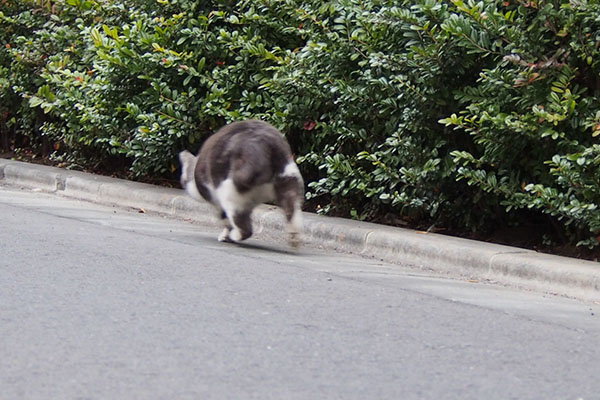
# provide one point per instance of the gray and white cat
(242, 165)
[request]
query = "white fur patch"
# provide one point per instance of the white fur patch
(192, 190)
(291, 169)
(230, 199)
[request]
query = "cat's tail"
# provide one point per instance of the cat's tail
(187, 180)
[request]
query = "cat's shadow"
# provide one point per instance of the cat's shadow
(252, 245)
(263, 248)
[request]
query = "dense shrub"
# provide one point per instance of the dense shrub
(534, 114)
(461, 114)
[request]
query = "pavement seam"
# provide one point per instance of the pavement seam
(60, 183)
(366, 244)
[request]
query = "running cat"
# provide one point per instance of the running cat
(242, 165)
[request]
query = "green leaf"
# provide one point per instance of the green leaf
(96, 37)
(35, 101)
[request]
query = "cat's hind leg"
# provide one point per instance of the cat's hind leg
(237, 228)
(289, 192)
(224, 235)
(236, 213)
(242, 225)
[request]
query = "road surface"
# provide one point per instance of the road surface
(100, 302)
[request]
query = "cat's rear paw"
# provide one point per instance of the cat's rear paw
(234, 235)
(224, 236)
(294, 240)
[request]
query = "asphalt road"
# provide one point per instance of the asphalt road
(106, 303)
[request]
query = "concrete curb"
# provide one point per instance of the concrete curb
(442, 254)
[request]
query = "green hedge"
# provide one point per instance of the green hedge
(462, 114)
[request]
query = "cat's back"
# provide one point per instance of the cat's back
(252, 149)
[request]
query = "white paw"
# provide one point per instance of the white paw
(235, 235)
(224, 236)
